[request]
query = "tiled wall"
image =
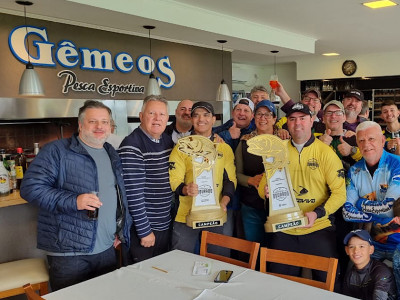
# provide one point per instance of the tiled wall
(24, 135)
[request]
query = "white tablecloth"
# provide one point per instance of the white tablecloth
(143, 281)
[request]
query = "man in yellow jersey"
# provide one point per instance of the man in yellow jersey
(317, 176)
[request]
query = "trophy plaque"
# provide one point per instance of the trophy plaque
(205, 211)
(284, 212)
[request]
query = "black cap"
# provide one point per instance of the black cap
(355, 93)
(361, 233)
(299, 107)
(202, 104)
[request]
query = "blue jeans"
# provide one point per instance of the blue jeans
(394, 256)
(253, 223)
(68, 270)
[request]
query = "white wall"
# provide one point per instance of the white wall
(256, 75)
(368, 65)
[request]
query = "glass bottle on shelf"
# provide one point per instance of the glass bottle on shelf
(20, 166)
(4, 179)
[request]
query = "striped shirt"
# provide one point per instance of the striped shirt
(145, 165)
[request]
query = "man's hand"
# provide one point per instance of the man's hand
(349, 133)
(224, 202)
(266, 191)
(283, 134)
(234, 131)
(148, 241)
(191, 189)
(344, 148)
(280, 91)
(116, 242)
(311, 216)
(88, 202)
(255, 180)
(326, 137)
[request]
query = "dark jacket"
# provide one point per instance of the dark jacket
(57, 176)
(223, 132)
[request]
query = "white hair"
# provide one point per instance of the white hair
(368, 124)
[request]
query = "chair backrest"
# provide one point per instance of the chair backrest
(30, 293)
(327, 264)
(209, 238)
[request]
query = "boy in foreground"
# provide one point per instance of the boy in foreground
(367, 279)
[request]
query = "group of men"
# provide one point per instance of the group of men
(137, 185)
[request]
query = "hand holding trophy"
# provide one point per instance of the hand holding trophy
(284, 212)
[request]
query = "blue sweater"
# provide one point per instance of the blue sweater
(145, 164)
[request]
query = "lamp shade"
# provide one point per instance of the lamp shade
(223, 93)
(30, 84)
(152, 86)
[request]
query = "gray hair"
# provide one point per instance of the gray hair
(368, 124)
(154, 98)
(92, 104)
(257, 88)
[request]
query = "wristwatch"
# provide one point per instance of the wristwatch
(353, 150)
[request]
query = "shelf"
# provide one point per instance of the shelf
(12, 199)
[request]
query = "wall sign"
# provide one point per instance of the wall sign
(68, 55)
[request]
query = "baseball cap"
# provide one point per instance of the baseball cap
(245, 101)
(334, 102)
(268, 104)
(361, 233)
(299, 107)
(316, 92)
(202, 104)
(355, 93)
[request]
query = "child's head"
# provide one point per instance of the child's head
(359, 247)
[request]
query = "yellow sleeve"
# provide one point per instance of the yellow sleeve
(282, 121)
(335, 179)
(230, 163)
(177, 169)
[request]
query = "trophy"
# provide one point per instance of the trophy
(284, 212)
(206, 211)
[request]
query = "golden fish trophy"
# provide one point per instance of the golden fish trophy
(284, 212)
(206, 211)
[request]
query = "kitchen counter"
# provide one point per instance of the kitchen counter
(12, 199)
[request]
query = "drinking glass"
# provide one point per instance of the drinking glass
(273, 82)
(93, 214)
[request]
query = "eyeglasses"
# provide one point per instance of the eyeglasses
(308, 99)
(336, 113)
(267, 115)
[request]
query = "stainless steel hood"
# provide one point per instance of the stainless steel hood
(19, 109)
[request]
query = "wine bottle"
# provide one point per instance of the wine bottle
(20, 166)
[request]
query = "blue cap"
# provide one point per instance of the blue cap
(268, 104)
(361, 233)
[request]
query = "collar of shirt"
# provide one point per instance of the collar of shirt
(150, 137)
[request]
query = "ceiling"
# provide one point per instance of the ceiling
(298, 29)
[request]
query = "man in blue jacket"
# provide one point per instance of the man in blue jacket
(77, 184)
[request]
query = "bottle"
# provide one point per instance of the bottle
(13, 179)
(4, 180)
(35, 148)
(20, 166)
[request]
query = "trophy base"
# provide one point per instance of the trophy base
(206, 218)
(287, 221)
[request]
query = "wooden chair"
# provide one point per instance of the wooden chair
(15, 274)
(209, 238)
(30, 293)
(327, 264)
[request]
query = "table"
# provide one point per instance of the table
(169, 276)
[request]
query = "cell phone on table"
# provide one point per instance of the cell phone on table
(223, 276)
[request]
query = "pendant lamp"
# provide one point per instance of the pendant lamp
(223, 93)
(30, 84)
(152, 86)
(273, 81)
